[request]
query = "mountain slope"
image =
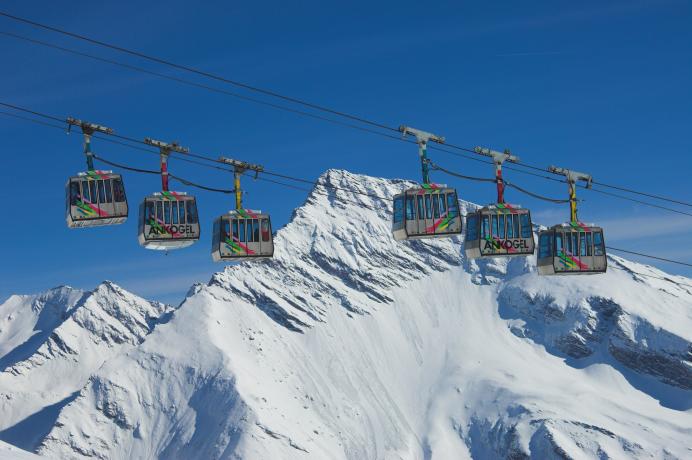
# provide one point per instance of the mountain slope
(10, 452)
(74, 333)
(27, 321)
(351, 345)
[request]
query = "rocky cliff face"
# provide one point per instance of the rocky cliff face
(633, 326)
(350, 345)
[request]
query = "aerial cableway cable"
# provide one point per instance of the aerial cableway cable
(216, 162)
(352, 202)
(634, 200)
(259, 90)
(535, 195)
(460, 176)
(663, 259)
(200, 72)
(32, 120)
(203, 187)
(212, 189)
(632, 272)
(198, 85)
(155, 172)
(315, 183)
(212, 160)
(603, 192)
(153, 152)
(128, 168)
(505, 181)
(650, 195)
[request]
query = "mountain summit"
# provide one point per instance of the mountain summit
(350, 345)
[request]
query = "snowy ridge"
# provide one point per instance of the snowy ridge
(10, 452)
(347, 237)
(74, 334)
(349, 345)
(21, 317)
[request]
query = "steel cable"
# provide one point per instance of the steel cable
(316, 183)
(259, 90)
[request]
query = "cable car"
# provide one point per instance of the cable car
(567, 249)
(501, 229)
(168, 220)
(572, 248)
(428, 212)
(242, 234)
(95, 198)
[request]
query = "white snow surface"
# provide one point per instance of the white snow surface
(350, 345)
(10, 452)
(67, 335)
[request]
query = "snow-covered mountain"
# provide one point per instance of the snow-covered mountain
(350, 345)
(53, 343)
(10, 452)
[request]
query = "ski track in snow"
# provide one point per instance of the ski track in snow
(350, 345)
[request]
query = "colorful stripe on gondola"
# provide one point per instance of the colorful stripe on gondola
(163, 228)
(506, 208)
(430, 188)
(170, 196)
(571, 262)
(96, 174)
(89, 209)
(497, 244)
(246, 214)
(579, 226)
(442, 223)
(237, 247)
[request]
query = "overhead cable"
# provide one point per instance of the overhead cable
(198, 72)
(535, 195)
(650, 256)
(222, 168)
(315, 183)
(257, 90)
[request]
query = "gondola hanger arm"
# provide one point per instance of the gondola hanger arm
(87, 127)
(166, 147)
(498, 157)
(242, 166)
(420, 135)
(572, 176)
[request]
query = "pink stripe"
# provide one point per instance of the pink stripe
(436, 224)
(247, 250)
(576, 260)
(97, 210)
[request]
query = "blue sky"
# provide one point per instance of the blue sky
(602, 87)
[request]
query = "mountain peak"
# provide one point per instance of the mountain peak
(349, 344)
(46, 359)
(338, 243)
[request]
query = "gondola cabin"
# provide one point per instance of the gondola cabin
(499, 230)
(95, 198)
(428, 212)
(571, 249)
(168, 220)
(242, 235)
